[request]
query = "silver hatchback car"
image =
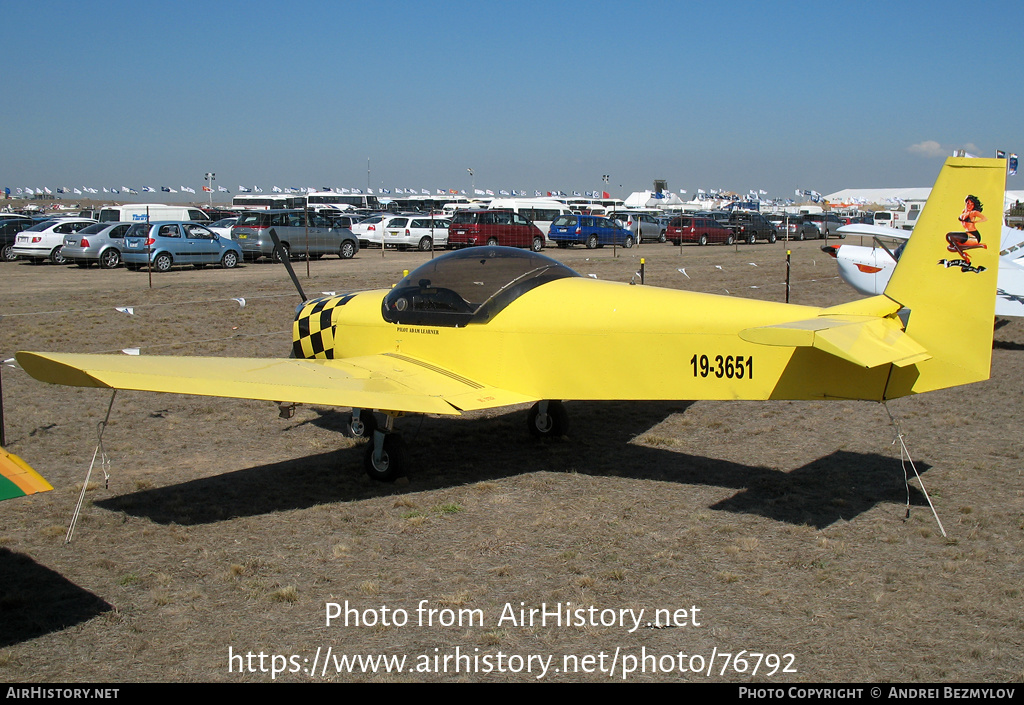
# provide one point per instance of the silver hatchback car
(101, 243)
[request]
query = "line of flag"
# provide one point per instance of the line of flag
(702, 194)
(397, 191)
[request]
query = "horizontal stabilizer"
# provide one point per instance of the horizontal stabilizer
(873, 231)
(386, 382)
(864, 341)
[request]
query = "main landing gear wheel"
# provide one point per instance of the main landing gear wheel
(547, 419)
(384, 460)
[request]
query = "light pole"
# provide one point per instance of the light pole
(211, 177)
(472, 181)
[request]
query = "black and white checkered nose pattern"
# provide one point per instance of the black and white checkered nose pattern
(313, 330)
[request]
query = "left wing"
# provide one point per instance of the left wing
(389, 381)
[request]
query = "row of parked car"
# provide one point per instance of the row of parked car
(84, 241)
(247, 236)
(749, 227)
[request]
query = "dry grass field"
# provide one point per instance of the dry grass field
(225, 530)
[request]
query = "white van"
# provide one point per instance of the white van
(540, 211)
(142, 212)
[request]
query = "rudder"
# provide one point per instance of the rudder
(946, 277)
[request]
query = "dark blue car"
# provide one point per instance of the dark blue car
(590, 230)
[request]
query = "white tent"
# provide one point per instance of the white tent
(888, 196)
(646, 199)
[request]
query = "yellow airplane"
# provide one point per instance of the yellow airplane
(487, 327)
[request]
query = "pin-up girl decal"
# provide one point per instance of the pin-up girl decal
(970, 238)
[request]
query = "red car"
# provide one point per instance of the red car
(494, 227)
(690, 228)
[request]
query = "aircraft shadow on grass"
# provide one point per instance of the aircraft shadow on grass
(35, 600)
(839, 486)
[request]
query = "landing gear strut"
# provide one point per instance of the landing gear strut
(362, 424)
(384, 459)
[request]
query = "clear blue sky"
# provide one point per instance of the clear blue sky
(531, 95)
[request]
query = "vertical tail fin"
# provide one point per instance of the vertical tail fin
(946, 277)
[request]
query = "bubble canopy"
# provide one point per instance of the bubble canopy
(469, 286)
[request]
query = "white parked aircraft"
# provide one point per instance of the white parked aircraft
(867, 269)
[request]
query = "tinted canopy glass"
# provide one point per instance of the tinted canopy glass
(469, 286)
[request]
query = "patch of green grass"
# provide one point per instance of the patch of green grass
(129, 579)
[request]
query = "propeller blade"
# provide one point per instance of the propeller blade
(287, 264)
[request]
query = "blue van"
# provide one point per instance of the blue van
(590, 230)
